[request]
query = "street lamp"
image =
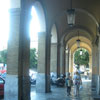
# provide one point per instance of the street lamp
(71, 16)
(81, 52)
(78, 41)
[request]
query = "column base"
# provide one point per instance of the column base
(94, 82)
(14, 90)
(98, 86)
(11, 87)
(40, 83)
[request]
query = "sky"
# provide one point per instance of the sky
(4, 26)
(34, 29)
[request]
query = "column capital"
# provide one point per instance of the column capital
(14, 11)
(18, 11)
(62, 45)
(53, 43)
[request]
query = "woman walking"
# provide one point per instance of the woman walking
(77, 82)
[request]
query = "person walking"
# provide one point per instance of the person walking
(77, 82)
(68, 82)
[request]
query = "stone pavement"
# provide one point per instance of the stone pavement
(60, 93)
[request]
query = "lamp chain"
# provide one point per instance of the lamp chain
(71, 4)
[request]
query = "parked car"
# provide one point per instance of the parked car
(2, 82)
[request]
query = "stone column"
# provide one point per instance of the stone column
(47, 63)
(67, 61)
(17, 85)
(97, 58)
(90, 66)
(72, 73)
(43, 76)
(62, 59)
(94, 67)
(70, 61)
(58, 60)
(40, 82)
(98, 89)
(53, 61)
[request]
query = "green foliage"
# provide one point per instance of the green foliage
(33, 58)
(3, 56)
(81, 59)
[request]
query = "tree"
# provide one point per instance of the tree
(3, 56)
(81, 59)
(33, 58)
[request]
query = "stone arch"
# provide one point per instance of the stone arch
(78, 10)
(86, 44)
(41, 66)
(83, 14)
(72, 32)
(41, 15)
(83, 39)
(88, 14)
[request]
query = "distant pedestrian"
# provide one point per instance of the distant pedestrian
(77, 82)
(69, 83)
(85, 74)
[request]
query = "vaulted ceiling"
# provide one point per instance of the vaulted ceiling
(87, 15)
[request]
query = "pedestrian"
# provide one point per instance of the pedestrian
(77, 82)
(85, 74)
(69, 83)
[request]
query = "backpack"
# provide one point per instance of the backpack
(77, 81)
(68, 82)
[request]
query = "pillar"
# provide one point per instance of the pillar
(47, 63)
(17, 85)
(58, 59)
(64, 65)
(40, 81)
(70, 61)
(90, 66)
(98, 89)
(53, 61)
(67, 61)
(62, 59)
(94, 67)
(72, 64)
(43, 76)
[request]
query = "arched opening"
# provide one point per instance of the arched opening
(34, 29)
(81, 63)
(79, 58)
(37, 48)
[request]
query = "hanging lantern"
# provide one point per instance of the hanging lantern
(99, 28)
(78, 43)
(71, 17)
(81, 52)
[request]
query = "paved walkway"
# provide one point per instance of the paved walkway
(60, 93)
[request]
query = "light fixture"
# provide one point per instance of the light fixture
(81, 52)
(66, 49)
(99, 28)
(78, 41)
(71, 16)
